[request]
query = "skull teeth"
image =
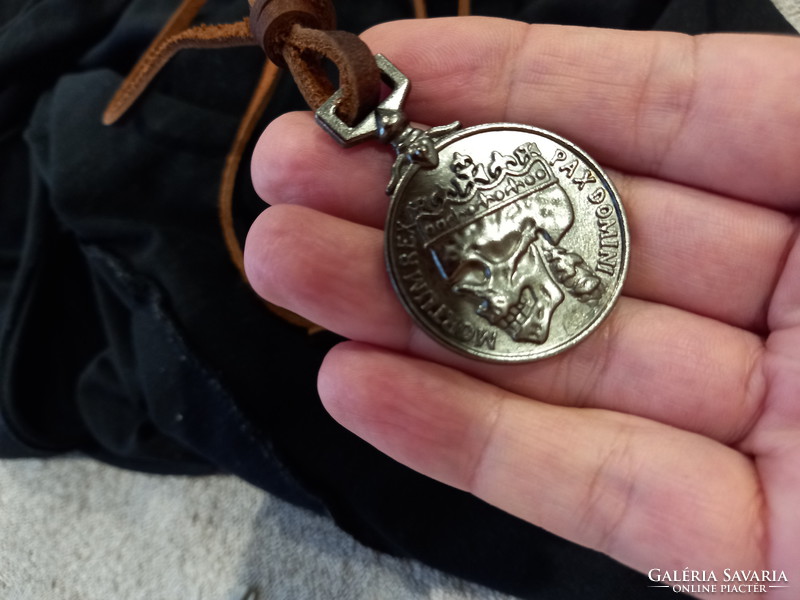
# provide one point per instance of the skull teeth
(519, 313)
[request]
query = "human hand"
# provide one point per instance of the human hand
(670, 438)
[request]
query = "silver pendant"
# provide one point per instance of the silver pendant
(503, 241)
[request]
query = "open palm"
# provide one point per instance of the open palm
(670, 438)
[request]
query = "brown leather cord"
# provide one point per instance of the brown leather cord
(302, 40)
(272, 22)
(299, 34)
(421, 9)
(151, 62)
(359, 76)
(175, 36)
(258, 103)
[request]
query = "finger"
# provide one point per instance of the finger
(646, 359)
(690, 249)
(644, 493)
(784, 311)
(698, 110)
(296, 162)
(328, 269)
(700, 252)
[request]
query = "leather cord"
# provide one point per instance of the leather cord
(421, 10)
(176, 35)
(295, 38)
(267, 83)
(300, 35)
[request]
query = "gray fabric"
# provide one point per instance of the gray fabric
(791, 10)
(75, 529)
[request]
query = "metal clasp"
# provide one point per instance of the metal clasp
(371, 126)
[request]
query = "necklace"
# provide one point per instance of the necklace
(504, 242)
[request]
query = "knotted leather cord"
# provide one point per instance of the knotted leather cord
(302, 47)
(300, 35)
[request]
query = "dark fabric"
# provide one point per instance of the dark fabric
(127, 334)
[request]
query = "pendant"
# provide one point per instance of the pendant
(504, 242)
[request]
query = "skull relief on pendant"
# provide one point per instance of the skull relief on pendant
(497, 261)
(495, 244)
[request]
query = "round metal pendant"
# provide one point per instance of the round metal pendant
(513, 247)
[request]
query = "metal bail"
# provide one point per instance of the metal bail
(373, 125)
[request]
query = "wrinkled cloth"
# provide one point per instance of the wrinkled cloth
(127, 334)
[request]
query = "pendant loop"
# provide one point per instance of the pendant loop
(374, 123)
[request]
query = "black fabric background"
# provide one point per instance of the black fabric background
(128, 335)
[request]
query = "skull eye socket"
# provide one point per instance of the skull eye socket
(500, 250)
(470, 274)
